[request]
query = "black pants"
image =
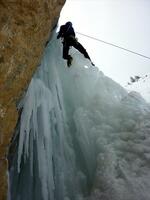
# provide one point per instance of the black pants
(71, 41)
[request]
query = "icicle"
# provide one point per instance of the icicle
(82, 136)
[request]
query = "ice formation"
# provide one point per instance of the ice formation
(81, 135)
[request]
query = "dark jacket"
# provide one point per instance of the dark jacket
(66, 31)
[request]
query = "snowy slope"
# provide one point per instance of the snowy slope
(81, 136)
(142, 86)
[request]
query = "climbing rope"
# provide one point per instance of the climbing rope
(108, 43)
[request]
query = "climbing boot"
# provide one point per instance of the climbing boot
(69, 61)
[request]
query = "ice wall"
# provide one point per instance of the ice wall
(81, 135)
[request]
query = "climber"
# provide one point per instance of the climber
(67, 34)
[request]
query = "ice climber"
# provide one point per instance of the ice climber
(68, 36)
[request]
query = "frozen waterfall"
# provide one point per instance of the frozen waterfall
(81, 135)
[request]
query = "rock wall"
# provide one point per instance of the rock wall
(25, 27)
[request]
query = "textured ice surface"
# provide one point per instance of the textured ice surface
(81, 135)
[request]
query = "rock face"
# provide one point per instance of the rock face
(25, 27)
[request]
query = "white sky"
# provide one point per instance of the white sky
(125, 23)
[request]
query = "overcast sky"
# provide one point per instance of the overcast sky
(125, 23)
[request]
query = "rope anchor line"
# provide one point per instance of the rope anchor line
(108, 43)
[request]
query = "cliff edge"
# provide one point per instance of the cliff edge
(25, 27)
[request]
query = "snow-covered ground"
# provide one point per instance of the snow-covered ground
(81, 135)
(142, 86)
